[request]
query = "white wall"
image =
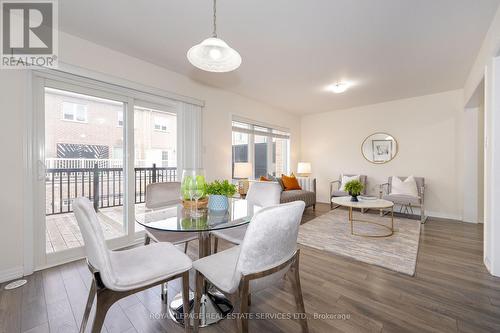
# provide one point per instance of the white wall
(12, 107)
(429, 133)
(219, 105)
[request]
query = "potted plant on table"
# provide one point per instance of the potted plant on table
(218, 193)
(354, 188)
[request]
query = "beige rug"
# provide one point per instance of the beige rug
(331, 232)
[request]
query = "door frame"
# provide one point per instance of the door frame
(35, 257)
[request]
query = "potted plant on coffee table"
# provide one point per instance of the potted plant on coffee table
(354, 188)
(218, 193)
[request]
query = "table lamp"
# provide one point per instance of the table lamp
(242, 171)
(304, 169)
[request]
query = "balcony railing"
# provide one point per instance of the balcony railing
(104, 186)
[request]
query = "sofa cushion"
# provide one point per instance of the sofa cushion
(339, 194)
(402, 199)
(295, 195)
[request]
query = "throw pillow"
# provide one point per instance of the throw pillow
(345, 180)
(406, 187)
(264, 179)
(276, 179)
(290, 183)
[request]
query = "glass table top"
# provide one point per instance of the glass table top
(176, 218)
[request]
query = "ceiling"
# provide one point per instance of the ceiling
(291, 50)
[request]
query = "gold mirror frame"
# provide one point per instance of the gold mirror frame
(381, 133)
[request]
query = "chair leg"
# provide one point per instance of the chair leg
(299, 300)
(88, 307)
(185, 301)
(147, 240)
(244, 306)
(185, 247)
(164, 292)
(314, 207)
(216, 244)
(197, 301)
(105, 298)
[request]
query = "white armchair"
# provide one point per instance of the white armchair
(406, 202)
(267, 253)
(118, 274)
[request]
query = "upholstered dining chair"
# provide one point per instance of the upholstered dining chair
(336, 185)
(406, 202)
(118, 274)
(261, 194)
(267, 253)
(159, 195)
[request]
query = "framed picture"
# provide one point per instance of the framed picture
(382, 150)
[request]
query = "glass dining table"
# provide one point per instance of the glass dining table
(175, 218)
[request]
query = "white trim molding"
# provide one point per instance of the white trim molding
(11, 274)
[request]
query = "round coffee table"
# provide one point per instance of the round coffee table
(367, 204)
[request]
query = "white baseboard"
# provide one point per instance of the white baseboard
(11, 274)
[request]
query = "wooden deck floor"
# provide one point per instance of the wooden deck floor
(451, 292)
(62, 230)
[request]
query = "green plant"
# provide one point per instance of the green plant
(219, 187)
(354, 187)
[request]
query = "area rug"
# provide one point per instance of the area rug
(332, 233)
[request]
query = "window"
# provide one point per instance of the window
(161, 124)
(120, 118)
(74, 112)
(164, 155)
(267, 149)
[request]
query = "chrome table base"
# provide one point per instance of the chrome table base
(214, 307)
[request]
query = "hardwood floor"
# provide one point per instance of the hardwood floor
(452, 291)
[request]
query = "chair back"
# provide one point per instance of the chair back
(270, 240)
(95, 244)
(264, 194)
(162, 194)
(420, 181)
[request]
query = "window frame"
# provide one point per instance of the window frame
(270, 132)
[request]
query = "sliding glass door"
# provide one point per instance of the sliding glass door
(99, 144)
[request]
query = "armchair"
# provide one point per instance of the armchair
(407, 202)
(336, 184)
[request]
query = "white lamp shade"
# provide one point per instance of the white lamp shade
(304, 168)
(214, 55)
(242, 170)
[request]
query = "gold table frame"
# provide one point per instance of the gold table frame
(352, 220)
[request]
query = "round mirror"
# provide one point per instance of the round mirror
(379, 148)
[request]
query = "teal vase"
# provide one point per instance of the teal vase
(218, 202)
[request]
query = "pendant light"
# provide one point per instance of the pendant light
(213, 54)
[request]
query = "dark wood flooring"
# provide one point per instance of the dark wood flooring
(452, 291)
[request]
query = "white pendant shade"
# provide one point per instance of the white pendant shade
(214, 55)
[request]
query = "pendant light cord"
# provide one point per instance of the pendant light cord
(214, 33)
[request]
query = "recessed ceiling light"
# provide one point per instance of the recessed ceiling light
(339, 87)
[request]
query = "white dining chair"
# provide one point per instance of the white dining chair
(261, 194)
(267, 253)
(159, 195)
(118, 274)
